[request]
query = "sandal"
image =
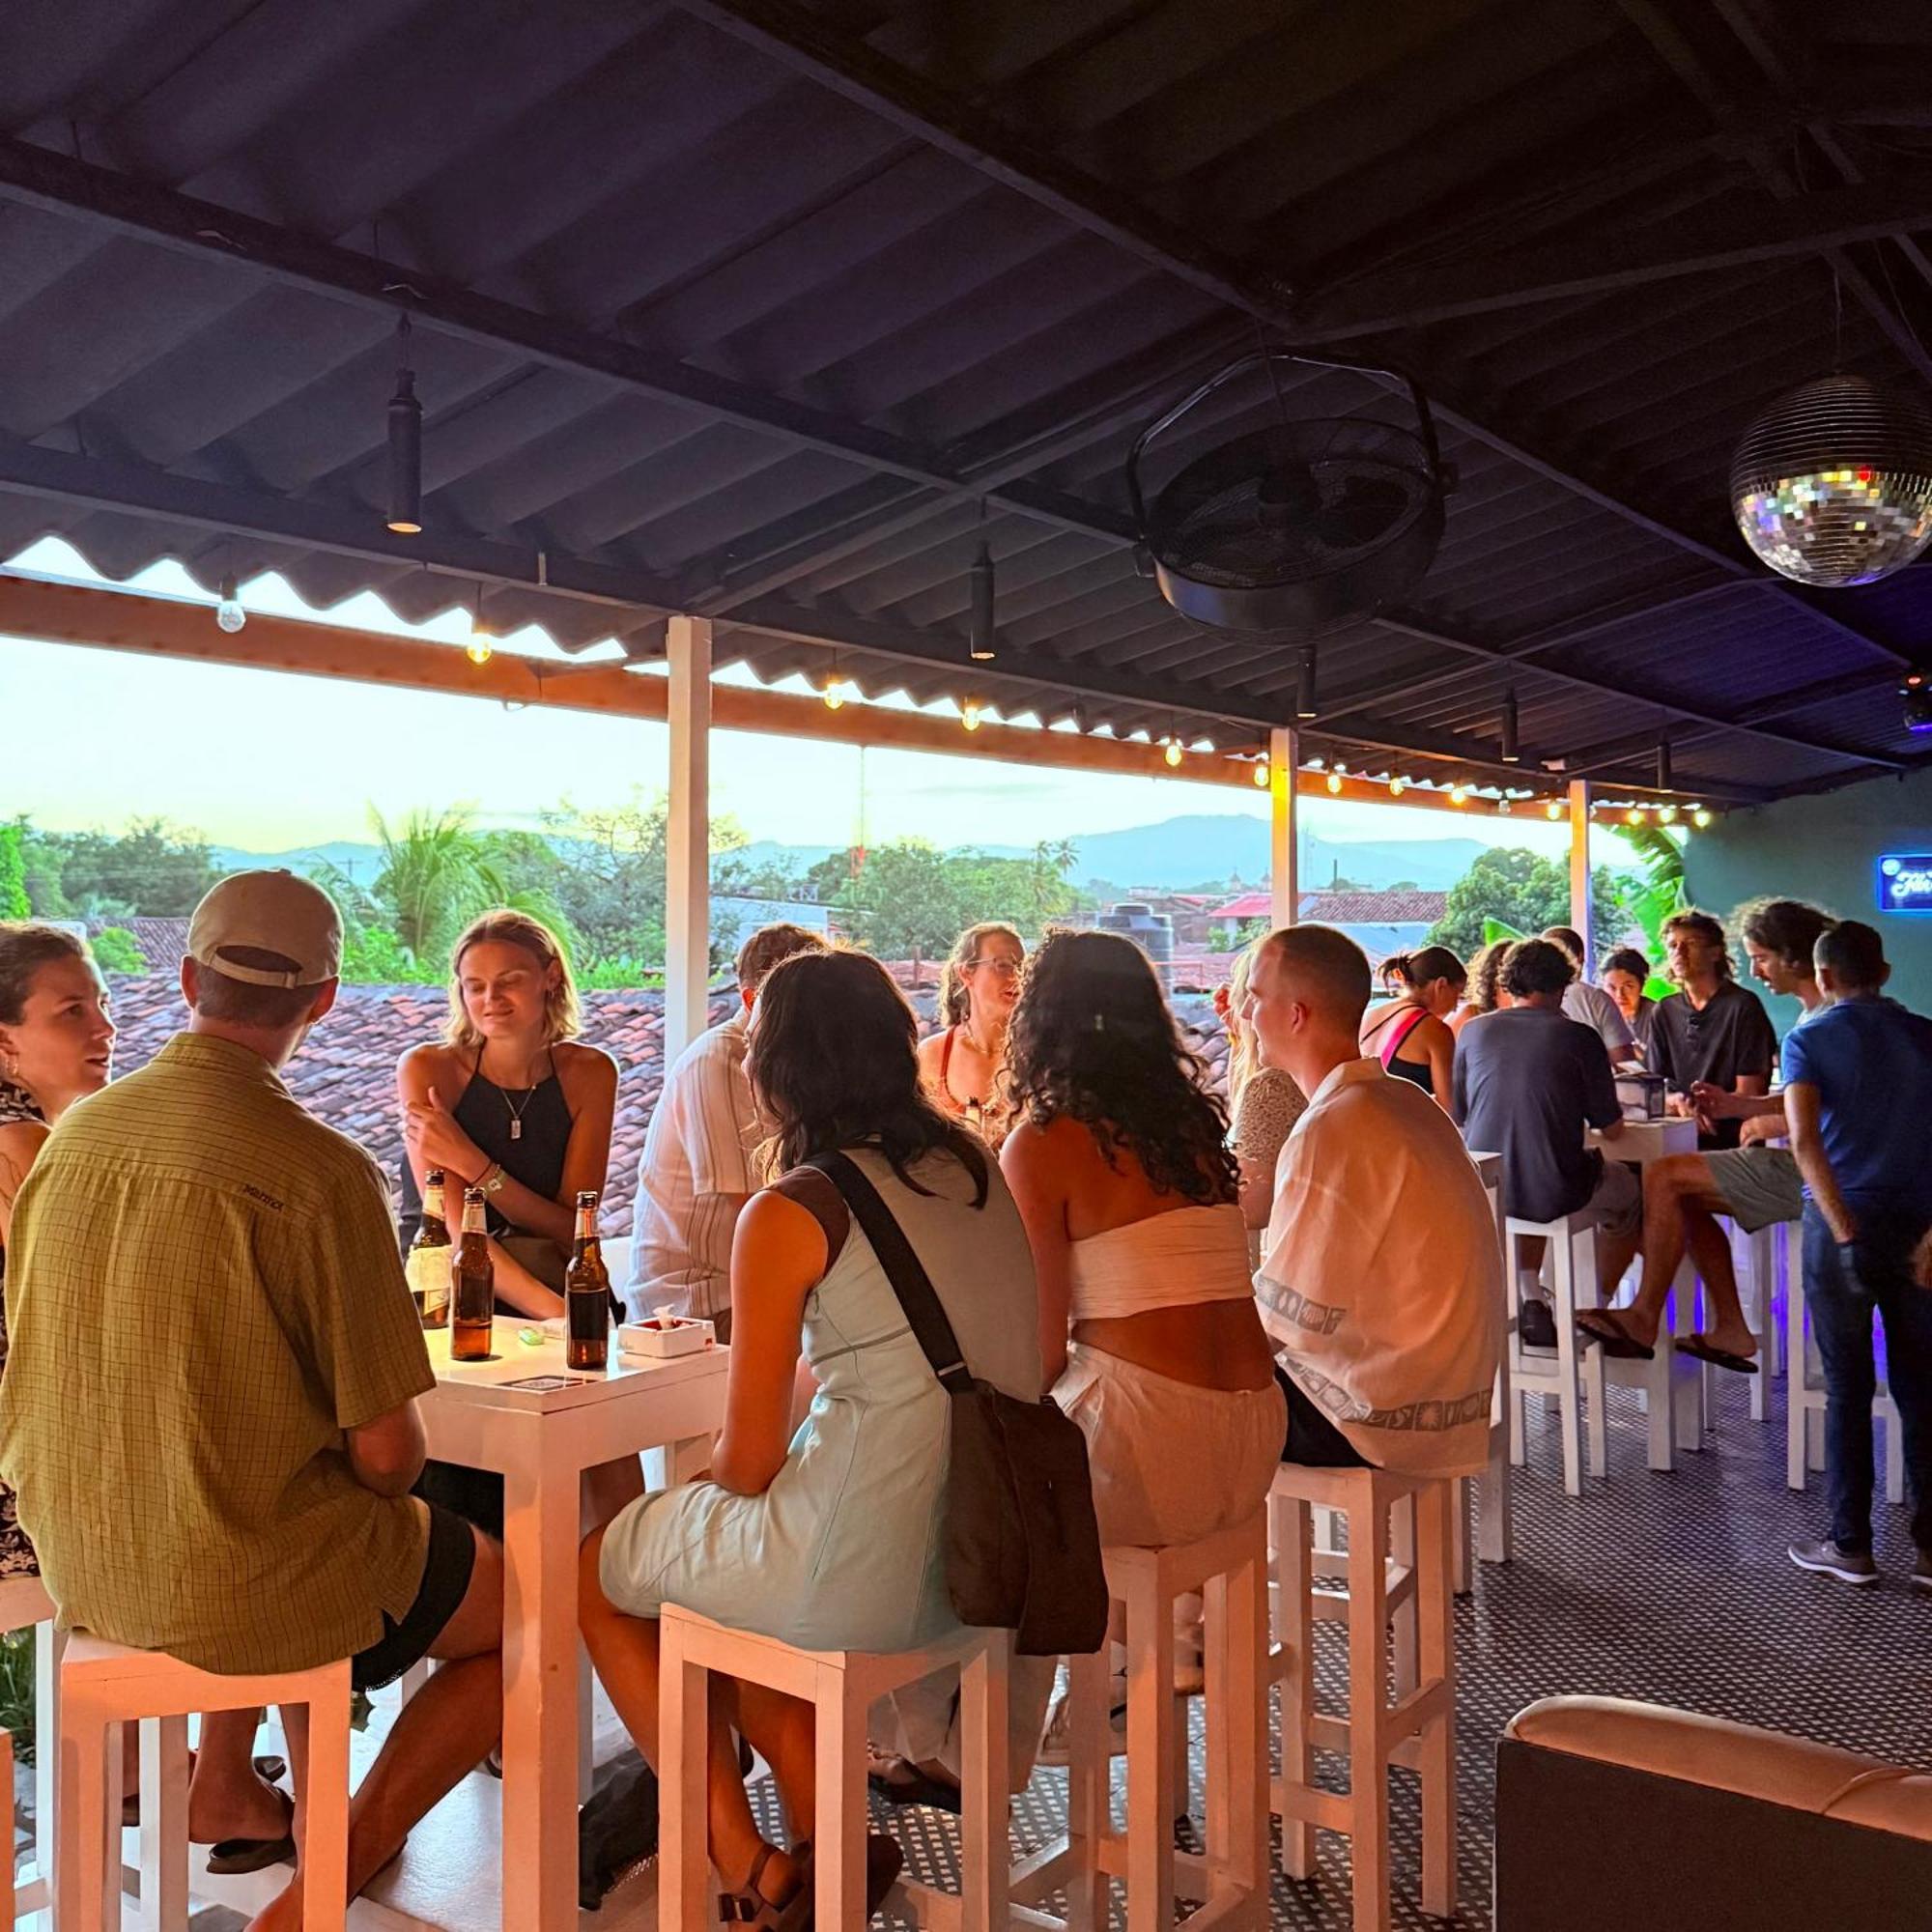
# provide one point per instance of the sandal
(231, 1857)
(900, 1782)
(750, 1906)
(1600, 1325)
(1719, 1358)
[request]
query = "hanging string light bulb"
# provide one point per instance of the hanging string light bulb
(1336, 774)
(1554, 810)
(969, 714)
(229, 612)
(1669, 815)
(479, 650)
(834, 692)
(1700, 817)
(1172, 751)
(1397, 786)
(1459, 794)
(1634, 816)
(1261, 774)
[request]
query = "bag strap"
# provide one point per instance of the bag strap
(910, 1282)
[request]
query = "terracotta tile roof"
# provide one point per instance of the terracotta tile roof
(345, 1073)
(1381, 908)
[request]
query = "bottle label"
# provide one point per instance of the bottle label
(428, 1272)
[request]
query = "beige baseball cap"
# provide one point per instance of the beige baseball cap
(268, 912)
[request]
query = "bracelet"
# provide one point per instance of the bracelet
(490, 1180)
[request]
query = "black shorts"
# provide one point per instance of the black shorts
(446, 1577)
(1313, 1440)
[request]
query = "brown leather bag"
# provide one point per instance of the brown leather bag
(1022, 1546)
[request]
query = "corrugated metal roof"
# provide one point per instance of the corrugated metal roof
(778, 310)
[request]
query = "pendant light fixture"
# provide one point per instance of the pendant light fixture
(1512, 752)
(406, 418)
(1304, 685)
(981, 645)
(1663, 763)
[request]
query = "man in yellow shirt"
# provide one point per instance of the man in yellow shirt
(209, 1408)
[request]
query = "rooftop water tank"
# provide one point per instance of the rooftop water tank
(1151, 931)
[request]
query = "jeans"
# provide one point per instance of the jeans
(1841, 1324)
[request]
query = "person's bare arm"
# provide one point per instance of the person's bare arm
(387, 1455)
(1027, 1161)
(20, 1141)
(1439, 1044)
(1747, 1103)
(517, 1286)
(777, 1258)
(1803, 1118)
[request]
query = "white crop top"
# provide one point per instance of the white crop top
(1174, 1260)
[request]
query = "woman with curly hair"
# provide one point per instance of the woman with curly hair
(961, 1065)
(1483, 993)
(1130, 1195)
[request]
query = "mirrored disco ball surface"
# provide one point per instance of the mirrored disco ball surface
(1832, 484)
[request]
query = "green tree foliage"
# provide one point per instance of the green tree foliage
(1508, 887)
(151, 869)
(911, 900)
(13, 901)
(825, 882)
(116, 949)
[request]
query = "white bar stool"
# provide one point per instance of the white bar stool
(1417, 1731)
(7, 1799)
(1231, 1878)
(103, 1686)
(1759, 1260)
(24, 1605)
(1536, 1374)
(1495, 1541)
(841, 1686)
(1805, 1402)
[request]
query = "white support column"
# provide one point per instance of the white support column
(1283, 829)
(1579, 870)
(688, 837)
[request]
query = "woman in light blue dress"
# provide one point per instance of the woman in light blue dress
(833, 1539)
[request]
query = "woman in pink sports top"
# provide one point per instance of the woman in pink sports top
(1409, 1034)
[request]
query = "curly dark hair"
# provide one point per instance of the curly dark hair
(1092, 1039)
(833, 1060)
(1486, 973)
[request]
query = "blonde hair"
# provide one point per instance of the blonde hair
(953, 998)
(564, 1016)
(1241, 1035)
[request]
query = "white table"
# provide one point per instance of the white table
(541, 1441)
(1642, 1142)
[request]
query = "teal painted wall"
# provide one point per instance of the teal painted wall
(1826, 850)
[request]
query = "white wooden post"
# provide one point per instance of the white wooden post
(687, 838)
(1284, 831)
(1579, 870)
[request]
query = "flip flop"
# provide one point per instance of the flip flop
(232, 1858)
(915, 1787)
(1610, 1336)
(1719, 1358)
(270, 1769)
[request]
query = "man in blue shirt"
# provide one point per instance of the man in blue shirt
(1857, 1096)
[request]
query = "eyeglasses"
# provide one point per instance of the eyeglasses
(1007, 969)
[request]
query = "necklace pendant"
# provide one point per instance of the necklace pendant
(516, 1131)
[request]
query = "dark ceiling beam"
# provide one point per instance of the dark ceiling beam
(28, 470)
(799, 41)
(123, 205)
(1193, 708)
(1664, 29)
(1001, 455)
(1526, 650)
(1603, 262)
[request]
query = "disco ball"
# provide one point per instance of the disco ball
(1833, 483)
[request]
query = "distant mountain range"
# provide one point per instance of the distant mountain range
(1202, 849)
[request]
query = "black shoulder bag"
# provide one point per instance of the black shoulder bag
(1022, 1546)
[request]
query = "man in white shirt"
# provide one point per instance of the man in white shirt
(697, 1173)
(1591, 1007)
(1381, 1279)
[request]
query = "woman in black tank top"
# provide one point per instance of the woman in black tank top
(512, 1101)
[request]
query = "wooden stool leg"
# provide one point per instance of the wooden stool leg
(683, 1708)
(983, 1781)
(1368, 1678)
(1289, 1530)
(1236, 1725)
(163, 1755)
(1088, 1788)
(1150, 1760)
(83, 1852)
(1402, 1546)
(324, 1850)
(1569, 1388)
(7, 1799)
(839, 1838)
(1438, 1758)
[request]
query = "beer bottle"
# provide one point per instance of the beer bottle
(430, 1256)
(586, 1292)
(476, 1284)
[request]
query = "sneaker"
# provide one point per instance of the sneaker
(1922, 1571)
(1848, 1566)
(1535, 1324)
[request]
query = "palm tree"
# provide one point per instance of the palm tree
(435, 874)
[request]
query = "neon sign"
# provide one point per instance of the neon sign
(1905, 882)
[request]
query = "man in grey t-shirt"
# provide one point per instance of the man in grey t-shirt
(1528, 1085)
